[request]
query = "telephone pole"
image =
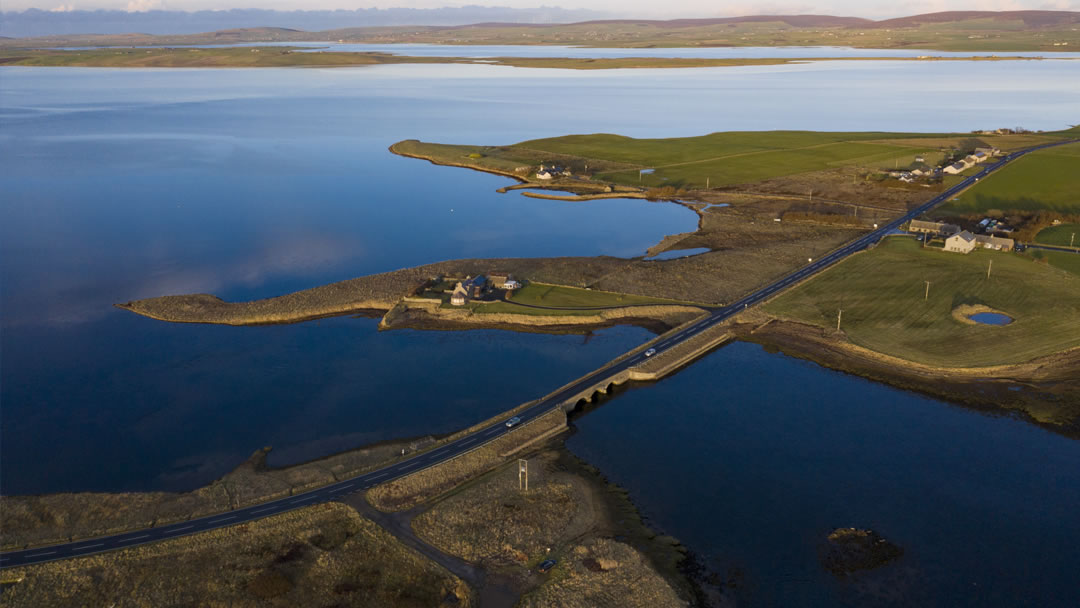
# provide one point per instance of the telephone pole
(927, 296)
(838, 315)
(1071, 239)
(988, 268)
(523, 474)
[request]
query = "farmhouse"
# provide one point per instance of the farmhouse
(996, 243)
(961, 242)
(936, 228)
(956, 167)
(468, 289)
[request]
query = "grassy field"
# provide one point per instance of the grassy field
(1069, 262)
(728, 158)
(881, 293)
(1047, 179)
(1064, 235)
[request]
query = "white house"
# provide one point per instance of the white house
(961, 242)
(955, 168)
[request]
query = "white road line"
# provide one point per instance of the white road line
(468, 441)
(88, 547)
(299, 500)
(222, 519)
(41, 554)
(265, 509)
(341, 489)
(410, 465)
(175, 530)
(378, 476)
(134, 538)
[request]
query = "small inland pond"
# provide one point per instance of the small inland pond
(991, 318)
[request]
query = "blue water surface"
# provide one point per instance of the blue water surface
(123, 184)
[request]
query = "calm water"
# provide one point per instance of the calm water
(753, 458)
(122, 184)
(991, 318)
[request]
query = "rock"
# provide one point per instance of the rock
(848, 550)
(607, 564)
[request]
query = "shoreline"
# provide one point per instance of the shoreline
(1030, 388)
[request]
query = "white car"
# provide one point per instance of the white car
(511, 422)
(650, 352)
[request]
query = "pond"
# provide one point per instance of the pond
(991, 318)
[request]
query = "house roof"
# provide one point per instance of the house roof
(964, 235)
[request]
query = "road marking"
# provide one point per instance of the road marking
(410, 465)
(222, 519)
(341, 489)
(87, 547)
(468, 441)
(378, 476)
(265, 509)
(175, 530)
(293, 502)
(134, 538)
(41, 554)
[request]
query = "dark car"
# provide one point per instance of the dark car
(546, 565)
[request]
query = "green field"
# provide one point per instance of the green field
(724, 159)
(1063, 235)
(881, 293)
(1047, 179)
(1069, 262)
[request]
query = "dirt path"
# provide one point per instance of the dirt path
(493, 590)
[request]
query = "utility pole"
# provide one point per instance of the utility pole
(988, 268)
(707, 180)
(1071, 239)
(927, 296)
(523, 474)
(839, 313)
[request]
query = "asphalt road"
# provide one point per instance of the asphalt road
(465, 444)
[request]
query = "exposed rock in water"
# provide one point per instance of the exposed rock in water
(848, 550)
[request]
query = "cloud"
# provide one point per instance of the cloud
(141, 6)
(63, 8)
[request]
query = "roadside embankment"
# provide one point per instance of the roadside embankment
(56, 518)
(321, 555)
(411, 490)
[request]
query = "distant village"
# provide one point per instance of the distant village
(921, 169)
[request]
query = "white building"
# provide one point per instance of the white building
(961, 242)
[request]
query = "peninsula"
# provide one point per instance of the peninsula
(768, 203)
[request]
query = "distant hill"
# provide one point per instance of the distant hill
(1030, 18)
(974, 31)
(792, 20)
(35, 22)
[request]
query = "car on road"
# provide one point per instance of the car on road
(511, 422)
(650, 352)
(546, 565)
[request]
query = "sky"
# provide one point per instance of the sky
(629, 8)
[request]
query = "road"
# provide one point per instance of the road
(465, 444)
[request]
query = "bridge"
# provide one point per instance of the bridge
(670, 351)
